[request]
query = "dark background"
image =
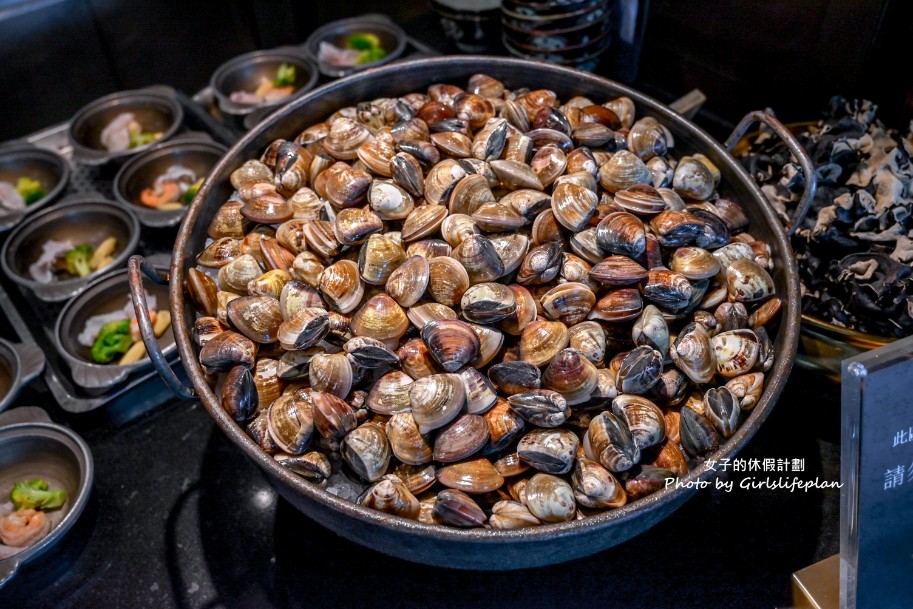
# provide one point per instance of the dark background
(57, 55)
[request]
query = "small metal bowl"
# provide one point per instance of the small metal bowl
(155, 110)
(10, 371)
(49, 168)
(104, 295)
(141, 172)
(19, 364)
(80, 221)
(243, 73)
(57, 455)
(392, 39)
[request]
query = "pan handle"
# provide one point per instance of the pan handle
(811, 178)
(135, 267)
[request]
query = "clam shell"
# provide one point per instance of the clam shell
(573, 205)
(698, 437)
(269, 284)
(622, 233)
(321, 238)
(457, 509)
(463, 437)
(488, 303)
(436, 400)
(747, 281)
(448, 280)
(609, 442)
(451, 342)
(511, 248)
(722, 409)
(474, 477)
(619, 305)
(511, 515)
(457, 227)
(643, 418)
(421, 314)
(480, 394)
(550, 498)
(622, 171)
(735, 352)
(354, 225)
(416, 360)
(390, 200)
(424, 221)
(667, 289)
(202, 290)
(640, 370)
(524, 313)
(370, 353)
(747, 388)
(540, 407)
(515, 377)
(234, 276)
(381, 318)
(541, 264)
(291, 424)
(390, 495)
(595, 486)
(378, 258)
(572, 375)
(304, 329)
(440, 181)
(490, 341)
(365, 449)
(504, 426)
(219, 253)
(568, 303)
(333, 418)
(692, 179)
(618, 271)
(313, 466)
(256, 317)
(429, 248)
(588, 338)
(693, 354)
(542, 340)
(207, 328)
(496, 217)
(342, 286)
(694, 263)
(406, 442)
(239, 394)
(390, 394)
(469, 194)
(331, 373)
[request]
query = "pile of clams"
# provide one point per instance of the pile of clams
(492, 307)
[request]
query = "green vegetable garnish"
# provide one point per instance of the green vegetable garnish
(35, 495)
(29, 189)
(192, 191)
(285, 75)
(141, 138)
(113, 340)
(78, 260)
(363, 42)
(368, 46)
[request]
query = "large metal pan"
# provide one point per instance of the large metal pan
(480, 548)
